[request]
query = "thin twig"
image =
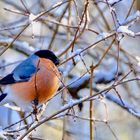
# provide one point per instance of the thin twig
(91, 105)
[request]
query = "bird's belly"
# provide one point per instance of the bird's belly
(41, 86)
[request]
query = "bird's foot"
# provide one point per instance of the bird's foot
(35, 108)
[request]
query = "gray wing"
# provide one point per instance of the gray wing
(23, 72)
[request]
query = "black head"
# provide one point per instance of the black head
(48, 55)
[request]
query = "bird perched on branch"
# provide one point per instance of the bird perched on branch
(35, 80)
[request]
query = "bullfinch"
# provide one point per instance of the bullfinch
(35, 80)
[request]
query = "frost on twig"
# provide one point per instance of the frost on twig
(126, 24)
(125, 30)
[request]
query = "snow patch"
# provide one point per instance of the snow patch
(125, 30)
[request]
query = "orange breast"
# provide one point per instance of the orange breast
(43, 85)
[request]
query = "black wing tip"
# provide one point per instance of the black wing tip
(7, 80)
(2, 96)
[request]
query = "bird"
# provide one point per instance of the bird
(33, 81)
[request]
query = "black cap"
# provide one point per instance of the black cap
(48, 55)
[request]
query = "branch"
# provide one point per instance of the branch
(20, 46)
(83, 83)
(129, 108)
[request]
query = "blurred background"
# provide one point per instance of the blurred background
(88, 32)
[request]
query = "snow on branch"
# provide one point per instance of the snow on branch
(129, 108)
(20, 46)
(125, 30)
(83, 83)
(125, 25)
(101, 76)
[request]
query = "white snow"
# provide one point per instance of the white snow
(32, 17)
(103, 35)
(125, 30)
(35, 25)
(138, 59)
